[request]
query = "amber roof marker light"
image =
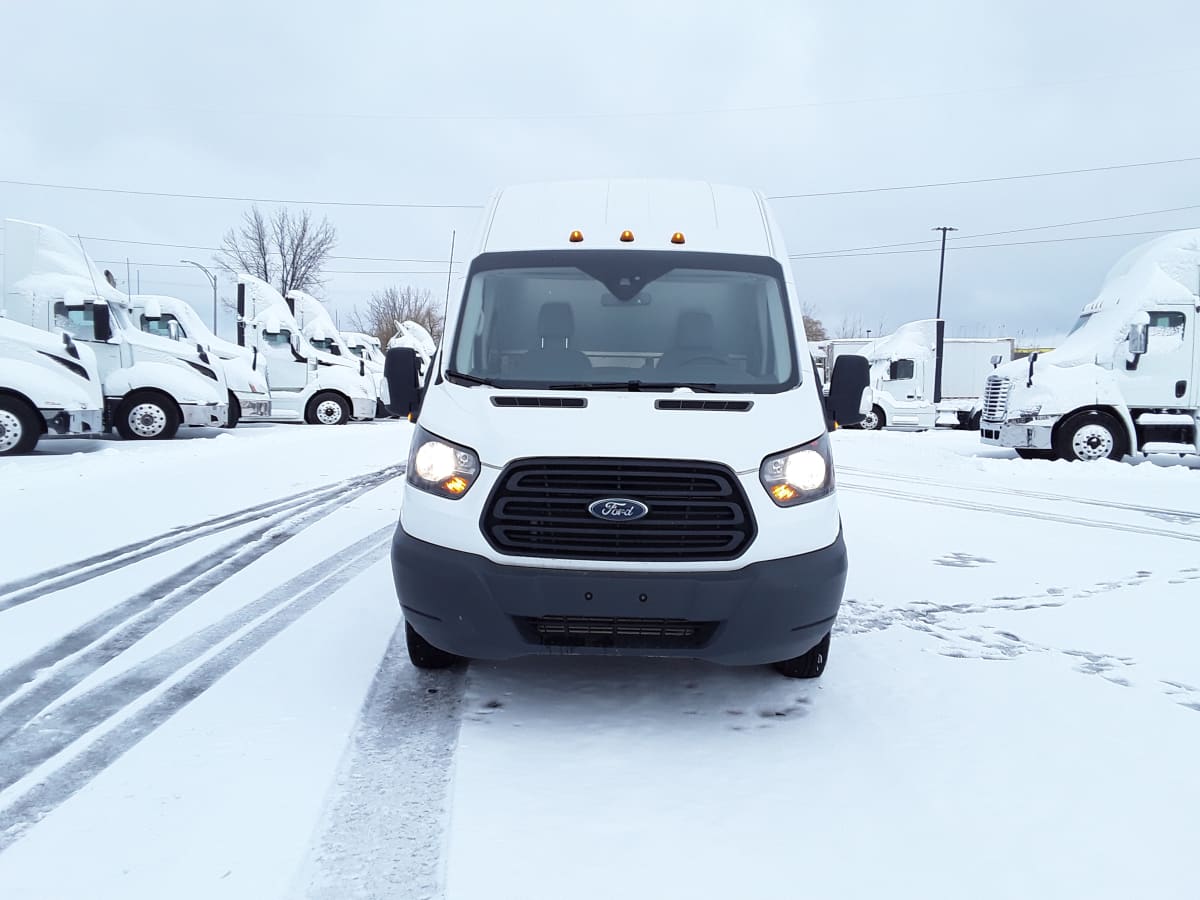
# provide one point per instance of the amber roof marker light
(576, 236)
(677, 238)
(627, 236)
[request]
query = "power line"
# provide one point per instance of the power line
(983, 234)
(936, 184)
(1085, 237)
(104, 190)
(108, 240)
(157, 265)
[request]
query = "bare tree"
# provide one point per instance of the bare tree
(288, 250)
(398, 304)
(814, 330)
(852, 326)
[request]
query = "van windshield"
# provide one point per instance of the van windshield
(622, 318)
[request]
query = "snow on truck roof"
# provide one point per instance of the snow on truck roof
(42, 260)
(1162, 270)
(710, 217)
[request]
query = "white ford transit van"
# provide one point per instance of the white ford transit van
(621, 445)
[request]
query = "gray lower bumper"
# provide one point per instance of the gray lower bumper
(765, 612)
(73, 421)
(204, 414)
(1034, 435)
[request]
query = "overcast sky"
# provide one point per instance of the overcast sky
(440, 103)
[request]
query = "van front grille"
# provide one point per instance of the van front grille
(695, 510)
(616, 633)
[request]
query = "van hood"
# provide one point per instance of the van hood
(623, 424)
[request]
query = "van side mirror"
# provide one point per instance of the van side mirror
(400, 370)
(851, 376)
(173, 330)
(1139, 339)
(101, 322)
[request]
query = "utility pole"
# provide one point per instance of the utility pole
(213, 279)
(940, 325)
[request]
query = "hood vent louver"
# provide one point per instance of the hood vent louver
(540, 402)
(715, 405)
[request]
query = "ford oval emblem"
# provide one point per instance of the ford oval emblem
(617, 509)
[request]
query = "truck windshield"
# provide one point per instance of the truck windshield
(612, 318)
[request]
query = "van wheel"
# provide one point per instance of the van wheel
(327, 408)
(807, 665)
(235, 412)
(424, 655)
(19, 427)
(1089, 436)
(147, 416)
(874, 420)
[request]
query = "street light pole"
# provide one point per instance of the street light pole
(213, 279)
(940, 325)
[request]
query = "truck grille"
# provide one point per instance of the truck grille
(697, 510)
(618, 633)
(995, 398)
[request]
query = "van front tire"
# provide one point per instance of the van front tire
(19, 427)
(807, 665)
(424, 655)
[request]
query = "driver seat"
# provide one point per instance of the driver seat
(554, 356)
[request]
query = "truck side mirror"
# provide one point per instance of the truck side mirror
(400, 370)
(1139, 339)
(996, 360)
(101, 322)
(851, 376)
(173, 330)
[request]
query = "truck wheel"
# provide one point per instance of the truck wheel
(19, 427)
(147, 416)
(1030, 453)
(424, 655)
(1089, 436)
(235, 412)
(807, 665)
(874, 420)
(327, 408)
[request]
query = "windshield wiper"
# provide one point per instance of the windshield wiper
(635, 385)
(464, 378)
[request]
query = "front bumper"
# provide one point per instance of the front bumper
(764, 612)
(202, 414)
(254, 406)
(362, 408)
(1035, 434)
(73, 421)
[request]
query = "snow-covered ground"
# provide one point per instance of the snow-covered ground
(215, 704)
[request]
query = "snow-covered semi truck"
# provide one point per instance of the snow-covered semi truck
(307, 384)
(151, 385)
(904, 376)
(1126, 379)
(322, 332)
(245, 368)
(49, 384)
(416, 337)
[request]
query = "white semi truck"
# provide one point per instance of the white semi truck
(1126, 380)
(151, 385)
(322, 332)
(416, 337)
(307, 384)
(245, 368)
(904, 377)
(48, 385)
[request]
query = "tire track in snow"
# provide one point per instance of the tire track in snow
(1015, 511)
(307, 591)
(383, 831)
(86, 649)
(32, 587)
(1183, 517)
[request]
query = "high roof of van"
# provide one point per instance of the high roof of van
(711, 217)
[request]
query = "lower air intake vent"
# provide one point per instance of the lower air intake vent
(545, 402)
(716, 405)
(627, 633)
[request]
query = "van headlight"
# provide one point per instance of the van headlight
(440, 467)
(799, 475)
